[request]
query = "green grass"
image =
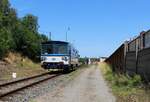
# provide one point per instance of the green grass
(125, 88)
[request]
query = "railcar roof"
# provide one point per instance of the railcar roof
(55, 42)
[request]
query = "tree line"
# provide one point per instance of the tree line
(19, 34)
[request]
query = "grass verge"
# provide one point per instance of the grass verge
(22, 66)
(125, 88)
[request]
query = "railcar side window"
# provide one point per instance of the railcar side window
(147, 40)
(63, 49)
(49, 50)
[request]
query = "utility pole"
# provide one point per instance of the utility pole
(68, 29)
(50, 35)
(66, 36)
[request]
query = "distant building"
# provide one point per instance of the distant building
(102, 59)
(89, 61)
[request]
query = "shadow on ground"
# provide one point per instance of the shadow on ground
(60, 72)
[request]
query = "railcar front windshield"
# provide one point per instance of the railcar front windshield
(55, 49)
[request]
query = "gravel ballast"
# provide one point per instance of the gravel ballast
(28, 94)
(89, 86)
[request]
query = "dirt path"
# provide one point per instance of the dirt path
(87, 87)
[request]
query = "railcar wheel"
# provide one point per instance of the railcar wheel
(66, 69)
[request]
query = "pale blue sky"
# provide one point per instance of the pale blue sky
(97, 27)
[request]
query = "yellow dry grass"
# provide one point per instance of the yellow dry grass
(104, 67)
(23, 66)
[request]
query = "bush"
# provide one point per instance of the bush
(135, 80)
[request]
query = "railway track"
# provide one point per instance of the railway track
(10, 88)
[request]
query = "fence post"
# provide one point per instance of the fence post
(125, 52)
(137, 48)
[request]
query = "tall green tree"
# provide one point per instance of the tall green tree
(19, 34)
(32, 38)
(5, 41)
(30, 22)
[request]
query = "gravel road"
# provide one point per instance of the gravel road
(89, 86)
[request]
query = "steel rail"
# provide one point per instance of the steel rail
(26, 86)
(24, 79)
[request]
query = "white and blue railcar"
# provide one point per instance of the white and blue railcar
(58, 55)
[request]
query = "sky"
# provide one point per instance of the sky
(97, 27)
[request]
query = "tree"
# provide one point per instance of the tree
(19, 34)
(43, 38)
(31, 38)
(5, 42)
(30, 22)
